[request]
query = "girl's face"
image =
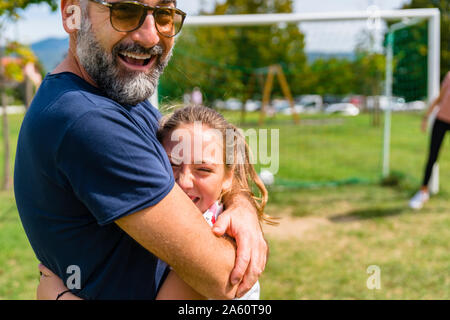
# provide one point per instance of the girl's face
(205, 179)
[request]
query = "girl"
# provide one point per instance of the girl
(211, 162)
(440, 127)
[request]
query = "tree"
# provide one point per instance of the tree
(444, 7)
(11, 8)
(330, 76)
(410, 62)
(10, 11)
(15, 69)
(410, 52)
(222, 60)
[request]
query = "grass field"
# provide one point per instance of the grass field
(328, 235)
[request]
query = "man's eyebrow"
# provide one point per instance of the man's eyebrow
(165, 2)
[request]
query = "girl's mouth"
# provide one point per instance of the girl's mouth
(194, 199)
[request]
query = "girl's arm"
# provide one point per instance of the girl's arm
(174, 288)
(436, 101)
(434, 104)
(430, 109)
(50, 285)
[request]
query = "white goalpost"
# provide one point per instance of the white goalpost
(432, 15)
(404, 16)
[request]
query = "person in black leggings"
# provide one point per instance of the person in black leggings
(440, 127)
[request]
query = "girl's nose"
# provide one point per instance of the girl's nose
(185, 180)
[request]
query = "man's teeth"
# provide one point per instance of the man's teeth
(135, 56)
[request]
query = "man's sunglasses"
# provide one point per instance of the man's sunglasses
(128, 16)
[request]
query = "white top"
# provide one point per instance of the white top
(211, 216)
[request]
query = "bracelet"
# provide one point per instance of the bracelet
(61, 294)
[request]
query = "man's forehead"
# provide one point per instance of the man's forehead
(165, 2)
(160, 2)
(155, 3)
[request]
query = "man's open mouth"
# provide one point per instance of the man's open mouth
(135, 59)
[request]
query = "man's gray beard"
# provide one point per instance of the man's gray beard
(125, 87)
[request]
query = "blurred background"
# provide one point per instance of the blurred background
(322, 84)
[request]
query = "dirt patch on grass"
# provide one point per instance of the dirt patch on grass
(291, 227)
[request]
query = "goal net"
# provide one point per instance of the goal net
(335, 72)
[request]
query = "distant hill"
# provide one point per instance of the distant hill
(314, 55)
(51, 51)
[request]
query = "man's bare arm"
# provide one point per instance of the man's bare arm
(175, 231)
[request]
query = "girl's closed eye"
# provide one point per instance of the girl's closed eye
(205, 169)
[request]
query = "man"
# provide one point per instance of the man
(94, 188)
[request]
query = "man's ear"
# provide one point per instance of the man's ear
(71, 15)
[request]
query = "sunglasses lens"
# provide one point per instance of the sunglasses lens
(168, 21)
(126, 16)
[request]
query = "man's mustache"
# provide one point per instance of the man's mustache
(156, 50)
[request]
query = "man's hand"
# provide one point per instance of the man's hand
(240, 221)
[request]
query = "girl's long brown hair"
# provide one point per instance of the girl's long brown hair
(244, 174)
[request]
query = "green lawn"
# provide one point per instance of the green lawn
(328, 236)
(324, 252)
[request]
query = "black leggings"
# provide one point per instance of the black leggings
(437, 136)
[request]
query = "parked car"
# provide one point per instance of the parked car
(284, 107)
(233, 104)
(416, 105)
(329, 99)
(219, 104)
(252, 105)
(356, 100)
(395, 104)
(346, 109)
(312, 103)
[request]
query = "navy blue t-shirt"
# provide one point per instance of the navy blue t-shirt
(82, 162)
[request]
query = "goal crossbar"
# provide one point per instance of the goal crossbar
(265, 19)
(432, 15)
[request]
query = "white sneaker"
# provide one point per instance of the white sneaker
(419, 199)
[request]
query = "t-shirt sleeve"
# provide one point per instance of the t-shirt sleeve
(113, 167)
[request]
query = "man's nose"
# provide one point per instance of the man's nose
(147, 35)
(185, 180)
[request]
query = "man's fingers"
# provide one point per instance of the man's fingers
(243, 253)
(222, 224)
(254, 270)
(249, 280)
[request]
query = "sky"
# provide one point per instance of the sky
(38, 22)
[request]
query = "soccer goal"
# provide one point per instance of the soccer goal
(339, 71)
